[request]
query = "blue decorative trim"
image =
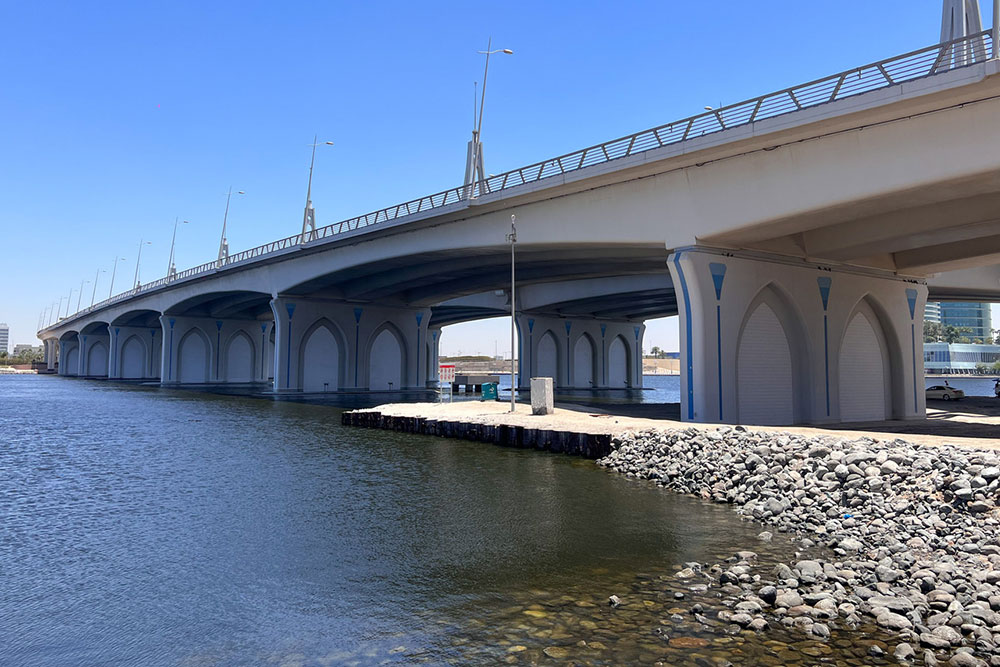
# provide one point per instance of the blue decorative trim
(718, 276)
(911, 299)
(826, 362)
(420, 316)
(824, 283)
(357, 315)
(531, 325)
(913, 345)
(688, 337)
(718, 342)
(569, 325)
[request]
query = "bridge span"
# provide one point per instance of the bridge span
(797, 235)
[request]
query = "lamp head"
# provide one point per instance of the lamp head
(508, 52)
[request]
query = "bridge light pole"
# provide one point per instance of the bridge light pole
(139, 259)
(474, 157)
(59, 315)
(309, 217)
(171, 269)
(223, 243)
(512, 238)
(113, 272)
(79, 297)
(93, 297)
(69, 301)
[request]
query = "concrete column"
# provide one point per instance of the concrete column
(51, 354)
(769, 340)
(135, 353)
(69, 359)
(434, 339)
(324, 346)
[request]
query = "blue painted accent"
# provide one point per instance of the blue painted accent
(636, 330)
(114, 353)
(718, 347)
(913, 346)
(911, 298)
(290, 307)
(688, 337)
(218, 346)
(718, 276)
(824, 283)
(420, 316)
(435, 336)
(569, 325)
(170, 365)
(604, 328)
(604, 365)
(531, 325)
(357, 315)
(826, 362)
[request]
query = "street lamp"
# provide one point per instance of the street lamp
(474, 157)
(93, 297)
(69, 301)
(59, 310)
(223, 243)
(171, 269)
(79, 297)
(139, 259)
(53, 313)
(113, 272)
(512, 238)
(309, 217)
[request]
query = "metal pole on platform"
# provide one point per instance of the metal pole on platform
(79, 297)
(996, 27)
(223, 242)
(512, 237)
(69, 301)
(93, 296)
(309, 216)
(114, 271)
(137, 260)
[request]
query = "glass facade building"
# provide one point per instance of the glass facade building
(958, 358)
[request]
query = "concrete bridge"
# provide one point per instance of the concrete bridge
(797, 235)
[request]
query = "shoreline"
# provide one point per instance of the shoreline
(912, 528)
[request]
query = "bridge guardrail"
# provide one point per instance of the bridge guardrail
(867, 78)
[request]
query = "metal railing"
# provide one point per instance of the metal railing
(867, 78)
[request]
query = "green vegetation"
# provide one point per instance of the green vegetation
(939, 333)
(26, 358)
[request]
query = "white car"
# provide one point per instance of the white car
(944, 393)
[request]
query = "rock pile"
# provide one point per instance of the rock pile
(907, 535)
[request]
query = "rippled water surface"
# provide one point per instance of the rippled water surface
(147, 526)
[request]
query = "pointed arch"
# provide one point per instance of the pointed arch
(72, 361)
(585, 370)
(548, 357)
(387, 362)
(772, 362)
(869, 365)
(240, 358)
(194, 352)
(322, 357)
(97, 359)
(132, 358)
(620, 366)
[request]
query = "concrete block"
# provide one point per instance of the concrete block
(541, 396)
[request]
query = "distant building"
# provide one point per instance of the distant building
(959, 358)
(973, 316)
(25, 348)
(4, 337)
(932, 312)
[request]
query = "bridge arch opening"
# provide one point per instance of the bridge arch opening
(322, 357)
(547, 357)
(386, 359)
(193, 357)
(240, 358)
(138, 318)
(771, 362)
(97, 359)
(584, 362)
(619, 363)
(869, 365)
(132, 358)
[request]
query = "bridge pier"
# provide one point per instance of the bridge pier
(205, 350)
(433, 357)
(135, 353)
(69, 354)
(94, 346)
(580, 353)
(769, 340)
(50, 349)
(324, 346)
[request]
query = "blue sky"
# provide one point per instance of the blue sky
(116, 117)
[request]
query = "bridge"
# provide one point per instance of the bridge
(797, 235)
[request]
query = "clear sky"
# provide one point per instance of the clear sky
(115, 117)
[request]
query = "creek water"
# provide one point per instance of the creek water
(159, 527)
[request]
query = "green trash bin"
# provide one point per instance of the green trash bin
(490, 391)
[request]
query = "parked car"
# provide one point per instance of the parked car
(944, 393)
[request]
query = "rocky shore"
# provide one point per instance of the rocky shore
(904, 535)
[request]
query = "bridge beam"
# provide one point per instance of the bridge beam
(580, 353)
(766, 340)
(325, 346)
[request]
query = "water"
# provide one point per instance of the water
(159, 527)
